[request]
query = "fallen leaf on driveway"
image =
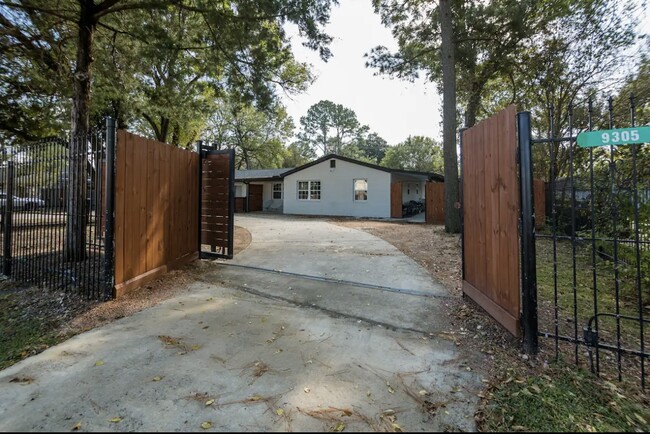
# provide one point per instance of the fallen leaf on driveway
(157, 378)
(116, 419)
(99, 363)
(77, 427)
(209, 402)
(206, 425)
(279, 412)
(339, 427)
(22, 380)
(307, 389)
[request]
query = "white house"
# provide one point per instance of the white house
(332, 185)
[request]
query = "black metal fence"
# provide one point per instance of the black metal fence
(592, 257)
(48, 238)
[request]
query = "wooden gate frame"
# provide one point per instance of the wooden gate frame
(227, 248)
(491, 210)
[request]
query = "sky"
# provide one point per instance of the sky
(395, 108)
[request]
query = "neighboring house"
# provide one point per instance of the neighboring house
(259, 190)
(331, 185)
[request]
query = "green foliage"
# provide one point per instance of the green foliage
(332, 128)
(415, 153)
(297, 154)
(373, 147)
(157, 66)
(256, 136)
(565, 399)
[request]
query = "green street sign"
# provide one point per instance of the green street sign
(620, 136)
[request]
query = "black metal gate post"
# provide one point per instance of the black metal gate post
(8, 219)
(528, 258)
(109, 236)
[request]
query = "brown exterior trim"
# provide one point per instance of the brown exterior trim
(510, 323)
(124, 288)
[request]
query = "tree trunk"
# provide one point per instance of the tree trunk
(472, 109)
(452, 214)
(75, 247)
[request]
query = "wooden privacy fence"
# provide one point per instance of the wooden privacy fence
(156, 209)
(435, 203)
(490, 212)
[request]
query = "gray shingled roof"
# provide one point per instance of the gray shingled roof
(241, 175)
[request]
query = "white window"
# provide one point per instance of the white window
(360, 189)
(308, 190)
(277, 190)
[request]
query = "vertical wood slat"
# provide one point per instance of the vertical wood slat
(156, 214)
(120, 179)
(491, 212)
(510, 224)
(491, 186)
(131, 219)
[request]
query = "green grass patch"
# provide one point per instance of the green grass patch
(22, 335)
(586, 298)
(565, 399)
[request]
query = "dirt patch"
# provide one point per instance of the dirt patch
(54, 316)
(242, 239)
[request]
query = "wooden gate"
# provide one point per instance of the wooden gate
(217, 204)
(490, 217)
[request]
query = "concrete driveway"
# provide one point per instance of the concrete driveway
(314, 327)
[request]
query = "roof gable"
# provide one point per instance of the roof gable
(432, 175)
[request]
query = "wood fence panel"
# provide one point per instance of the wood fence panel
(491, 212)
(434, 196)
(156, 217)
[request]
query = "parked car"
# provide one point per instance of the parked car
(22, 203)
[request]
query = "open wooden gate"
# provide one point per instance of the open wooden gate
(490, 217)
(217, 203)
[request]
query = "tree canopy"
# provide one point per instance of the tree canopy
(332, 128)
(419, 153)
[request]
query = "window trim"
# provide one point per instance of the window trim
(309, 190)
(273, 191)
(354, 190)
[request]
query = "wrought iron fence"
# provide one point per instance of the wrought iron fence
(592, 257)
(53, 228)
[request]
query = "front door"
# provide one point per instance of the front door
(255, 194)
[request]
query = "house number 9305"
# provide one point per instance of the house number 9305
(616, 137)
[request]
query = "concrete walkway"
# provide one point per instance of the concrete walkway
(295, 335)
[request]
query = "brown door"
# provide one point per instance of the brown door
(434, 203)
(255, 192)
(396, 200)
